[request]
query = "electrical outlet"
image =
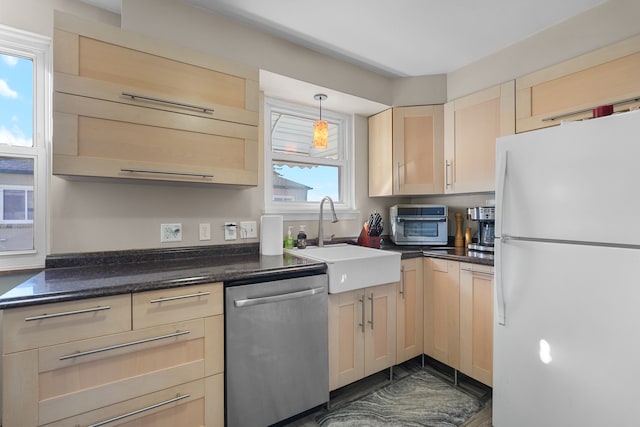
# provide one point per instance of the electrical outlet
(230, 232)
(205, 231)
(170, 232)
(248, 230)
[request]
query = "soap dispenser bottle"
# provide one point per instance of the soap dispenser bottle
(288, 242)
(302, 238)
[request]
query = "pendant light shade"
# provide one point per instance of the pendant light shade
(321, 127)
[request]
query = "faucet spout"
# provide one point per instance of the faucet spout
(335, 219)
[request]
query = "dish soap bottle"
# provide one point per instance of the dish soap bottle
(302, 238)
(288, 242)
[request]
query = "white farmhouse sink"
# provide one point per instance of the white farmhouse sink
(353, 267)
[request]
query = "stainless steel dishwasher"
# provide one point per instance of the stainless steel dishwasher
(276, 345)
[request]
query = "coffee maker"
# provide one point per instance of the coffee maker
(486, 216)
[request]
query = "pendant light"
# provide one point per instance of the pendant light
(321, 127)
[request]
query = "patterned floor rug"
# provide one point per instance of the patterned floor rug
(417, 400)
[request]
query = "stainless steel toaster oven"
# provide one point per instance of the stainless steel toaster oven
(419, 224)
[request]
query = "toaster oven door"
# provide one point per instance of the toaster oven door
(421, 231)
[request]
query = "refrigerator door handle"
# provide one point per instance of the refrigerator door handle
(501, 176)
(498, 281)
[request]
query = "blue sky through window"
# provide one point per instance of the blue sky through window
(16, 100)
(322, 179)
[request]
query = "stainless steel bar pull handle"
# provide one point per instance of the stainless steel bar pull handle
(447, 167)
(198, 294)
(361, 301)
(67, 313)
(158, 172)
(471, 270)
(134, 96)
(372, 314)
(402, 281)
(127, 344)
(276, 298)
(138, 411)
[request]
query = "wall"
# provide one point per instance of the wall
(94, 216)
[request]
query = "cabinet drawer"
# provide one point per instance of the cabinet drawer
(190, 404)
(84, 375)
(176, 304)
(41, 325)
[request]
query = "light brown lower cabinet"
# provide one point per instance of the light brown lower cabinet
(410, 302)
(442, 310)
(476, 322)
(362, 333)
(168, 372)
(458, 316)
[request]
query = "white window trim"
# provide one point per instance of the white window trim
(309, 211)
(39, 49)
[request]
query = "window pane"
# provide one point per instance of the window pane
(16, 101)
(294, 135)
(16, 202)
(305, 183)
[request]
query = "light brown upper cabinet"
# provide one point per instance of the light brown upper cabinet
(128, 106)
(571, 89)
(406, 151)
(471, 126)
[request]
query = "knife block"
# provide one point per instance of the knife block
(369, 241)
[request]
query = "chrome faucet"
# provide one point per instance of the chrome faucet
(335, 219)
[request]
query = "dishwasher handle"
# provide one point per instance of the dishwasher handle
(276, 298)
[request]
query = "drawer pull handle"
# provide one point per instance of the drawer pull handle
(138, 411)
(470, 270)
(586, 110)
(201, 175)
(133, 96)
(199, 294)
(127, 344)
(67, 313)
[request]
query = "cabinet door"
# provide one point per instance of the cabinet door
(442, 310)
(476, 322)
(571, 89)
(126, 106)
(472, 124)
(380, 329)
(381, 154)
(346, 337)
(418, 140)
(410, 301)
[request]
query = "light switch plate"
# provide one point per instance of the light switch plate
(205, 231)
(248, 230)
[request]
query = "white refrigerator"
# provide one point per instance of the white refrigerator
(567, 276)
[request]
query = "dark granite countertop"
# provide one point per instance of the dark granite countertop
(88, 275)
(77, 276)
(443, 252)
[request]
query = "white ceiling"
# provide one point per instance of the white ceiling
(398, 38)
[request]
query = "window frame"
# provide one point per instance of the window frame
(346, 161)
(38, 49)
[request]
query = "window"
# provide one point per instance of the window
(298, 176)
(24, 134)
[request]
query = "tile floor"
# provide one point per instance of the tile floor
(365, 386)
